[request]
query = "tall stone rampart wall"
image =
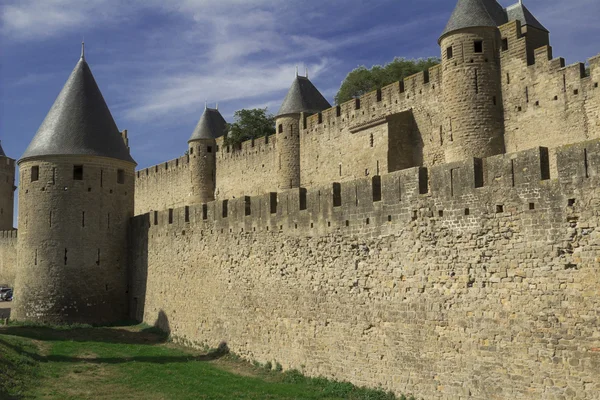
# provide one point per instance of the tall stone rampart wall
(8, 257)
(249, 169)
(545, 102)
(476, 279)
(163, 186)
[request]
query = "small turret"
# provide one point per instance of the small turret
(7, 191)
(473, 114)
(302, 98)
(535, 33)
(75, 202)
(202, 149)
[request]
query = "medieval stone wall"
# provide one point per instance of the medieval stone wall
(8, 257)
(546, 103)
(250, 169)
(7, 192)
(162, 186)
(475, 279)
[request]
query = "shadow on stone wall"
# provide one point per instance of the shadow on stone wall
(162, 322)
(4, 313)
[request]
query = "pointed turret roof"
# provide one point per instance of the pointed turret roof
(79, 122)
(518, 12)
(475, 13)
(211, 125)
(2, 154)
(303, 96)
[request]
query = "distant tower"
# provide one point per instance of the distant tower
(303, 97)
(75, 202)
(7, 191)
(474, 122)
(202, 150)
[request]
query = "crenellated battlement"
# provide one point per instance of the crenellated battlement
(171, 166)
(459, 194)
(9, 234)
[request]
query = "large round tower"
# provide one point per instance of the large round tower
(202, 150)
(7, 191)
(473, 112)
(75, 202)
(303, 97)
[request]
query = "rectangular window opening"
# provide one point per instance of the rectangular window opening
(499, 209)
(225, 208)
(35, 173)
(302, 199)
(170, 215)
(337, 194)
(209, 149)
(379, 95)
(280, 129)
(204, 211)
(504, 44)
(376, 186)
(449, 53)
(187, 213)
(247, 206)
(357, 104)
(478, 46)
(120, 176)
(78, 172)
(155, 217)
(273, 202)
(338, 111)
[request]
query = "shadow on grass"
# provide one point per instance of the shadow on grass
(150, 335)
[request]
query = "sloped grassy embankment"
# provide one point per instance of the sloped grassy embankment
(138, 362)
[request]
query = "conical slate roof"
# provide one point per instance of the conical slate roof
(2, 154)
(475, 13)
(211, 125)
(303, 96)
(79, 122)
(518, 12)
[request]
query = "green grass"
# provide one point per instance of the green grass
(137, 362)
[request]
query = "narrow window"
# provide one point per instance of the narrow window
(478, 46)
(191, 150)
(526, 94)
(504, 44)
(35, 260)
(320, 118)
(372, 142)
(120, 176)
(337, 194)
(187, 214)
(247, 206)
(204, 211)
(532, 206)
(65, 256)
(357, 104)
(225, 206)
(379, 95)
(302, 199)
(507, 78)
(376, 186)
(441, 135)
(449, 53)
(78, 172)
(585, 163)
(340, 169)
(209, 149)
(35, 173)
(494, 100)
(170, 215)
(83, 219)
(273, 202)
(98, 258)
(338, 111)
(467, 211)
(155, 217)
(280, 128)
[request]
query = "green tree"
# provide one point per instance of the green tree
(363, 80)
(249, 124)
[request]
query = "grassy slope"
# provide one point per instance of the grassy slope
(130, 363)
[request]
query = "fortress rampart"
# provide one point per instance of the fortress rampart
(475, 279)
(8, 257)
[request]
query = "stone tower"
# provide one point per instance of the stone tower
(7, 191)
(303, 99)
(202, 150)
(75, 201)
(473, 113)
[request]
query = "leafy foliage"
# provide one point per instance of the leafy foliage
(363, 80)
(249, 124)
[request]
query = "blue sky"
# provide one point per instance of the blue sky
(157, 62)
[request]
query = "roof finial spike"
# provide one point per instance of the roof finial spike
(306, 72)
(83, 48)
(205, 104)
(217, 107)
(296, 71)
(521, 2)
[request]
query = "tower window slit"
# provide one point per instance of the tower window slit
(35, 173)
(449, 53)
(65, 256)
(35, 260)
(78, 172)
(478, 46)
(526, 94)
(120, 176)
(83, 218)
(98, 258)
